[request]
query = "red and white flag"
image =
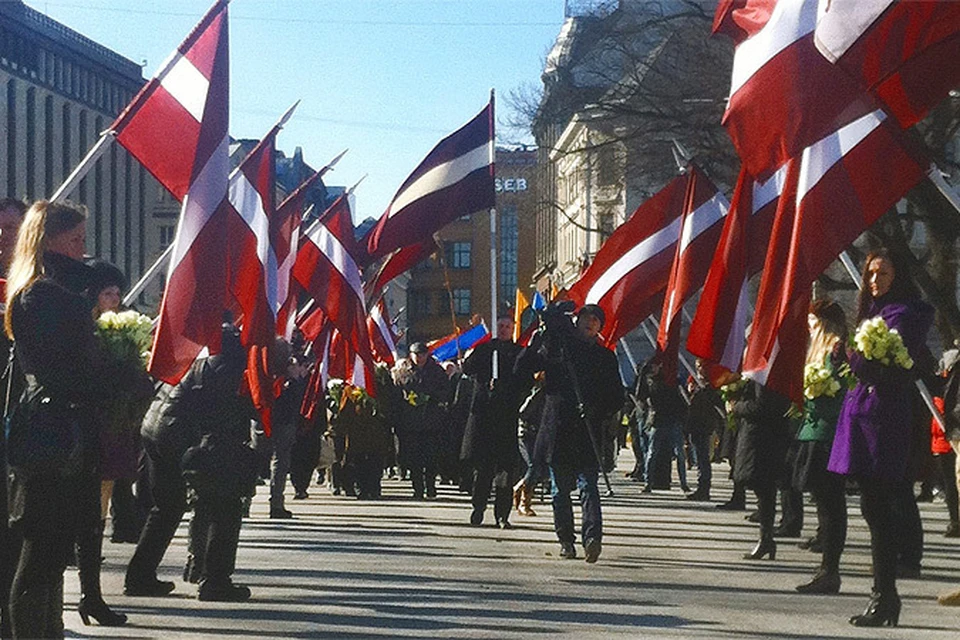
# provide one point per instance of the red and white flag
(718, 331)
(383, 340)
(630, 272)
(173, 125)
(251, 260)
(904, 53)
(399, 262)
(835, 190)
(177, 127)
(784, 95)
(285, 239)
(455, 179)
(704, 212)
(326, 269)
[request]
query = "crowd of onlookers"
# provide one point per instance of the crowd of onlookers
(91, 437)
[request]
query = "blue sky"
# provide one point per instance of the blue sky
(385, 78)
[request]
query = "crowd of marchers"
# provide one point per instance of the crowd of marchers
(90, 437)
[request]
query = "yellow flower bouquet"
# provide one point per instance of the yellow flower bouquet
(876, 341)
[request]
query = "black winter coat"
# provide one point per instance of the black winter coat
(491, 431)
(659, 404)
(763, 436)
(563, 439)
(57, 350)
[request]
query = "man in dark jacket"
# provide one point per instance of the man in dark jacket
(490, 440)
(427, 393)
(663, 410)
(705, 417)
(577, 368)
(205, 403)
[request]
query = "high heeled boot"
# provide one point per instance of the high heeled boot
(882, 610)
(765, 546)
(89, 560)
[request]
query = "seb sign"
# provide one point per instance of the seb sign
(510, 185)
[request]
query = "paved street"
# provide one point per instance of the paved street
(399, 568)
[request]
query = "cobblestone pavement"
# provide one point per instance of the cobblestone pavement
(396, 567)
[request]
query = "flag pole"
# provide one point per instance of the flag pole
(936, 177)
(493, 240)
(79, 173)
(921, 385)
(149, 275)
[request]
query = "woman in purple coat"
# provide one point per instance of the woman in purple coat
(872, 442)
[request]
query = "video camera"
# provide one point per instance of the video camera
(556, 320)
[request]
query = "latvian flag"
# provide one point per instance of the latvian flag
(177, 127)
(454, 180)
(630, 273)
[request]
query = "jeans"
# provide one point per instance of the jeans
(283, 438)
(700, 442)
(564, 479)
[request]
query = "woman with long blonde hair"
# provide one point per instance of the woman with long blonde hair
(50, 321)
(826, 356)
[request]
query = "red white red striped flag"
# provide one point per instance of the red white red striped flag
(704, 212)
(784, 94)
(177, 127)
(904, 53)
(172, 126)
(399, 262)
(455, 179)
(383, 341)
(718, 331)
(630, 271)
(832, 193)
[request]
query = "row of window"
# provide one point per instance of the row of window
(424, 303)
(66, 76)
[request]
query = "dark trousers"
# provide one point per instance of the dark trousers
(214, 537)
(36, 599)
(766, 493)
(700, 441)
(126, 513)
(169, 495)
(878, 503)
(306, 454)
(908, 525)
(832, 518)
(946, 462)
(424, 478)
(791, 507)
(483, 485)
(9, 555)
(564, 480)
(89, 538)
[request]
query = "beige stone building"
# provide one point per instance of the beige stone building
(58, 91)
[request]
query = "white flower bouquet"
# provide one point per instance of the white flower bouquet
(126, 335)
(819, 381)
(876, 341)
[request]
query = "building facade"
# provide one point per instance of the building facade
(58, 91)
(453, 287)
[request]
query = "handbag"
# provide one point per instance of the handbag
(43, 432)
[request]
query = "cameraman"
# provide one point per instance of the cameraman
(575, 364)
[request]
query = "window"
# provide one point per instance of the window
(458, 255)
(607, 166)
(509, 237)
(167, 233)
(607, 227)
(461, 302)
(420, 303)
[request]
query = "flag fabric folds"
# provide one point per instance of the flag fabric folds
(173, 125)
(831, 194)
(718, 331)
(455, 179)
(784, 95)
(704, 212)
(383, 342)
(177, 127)
(459, 344)
(903, 53)
(251, 259)
(630, 271)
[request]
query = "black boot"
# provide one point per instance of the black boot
(882, 610)
(89, 548)
(765, 546)
(822, 582)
